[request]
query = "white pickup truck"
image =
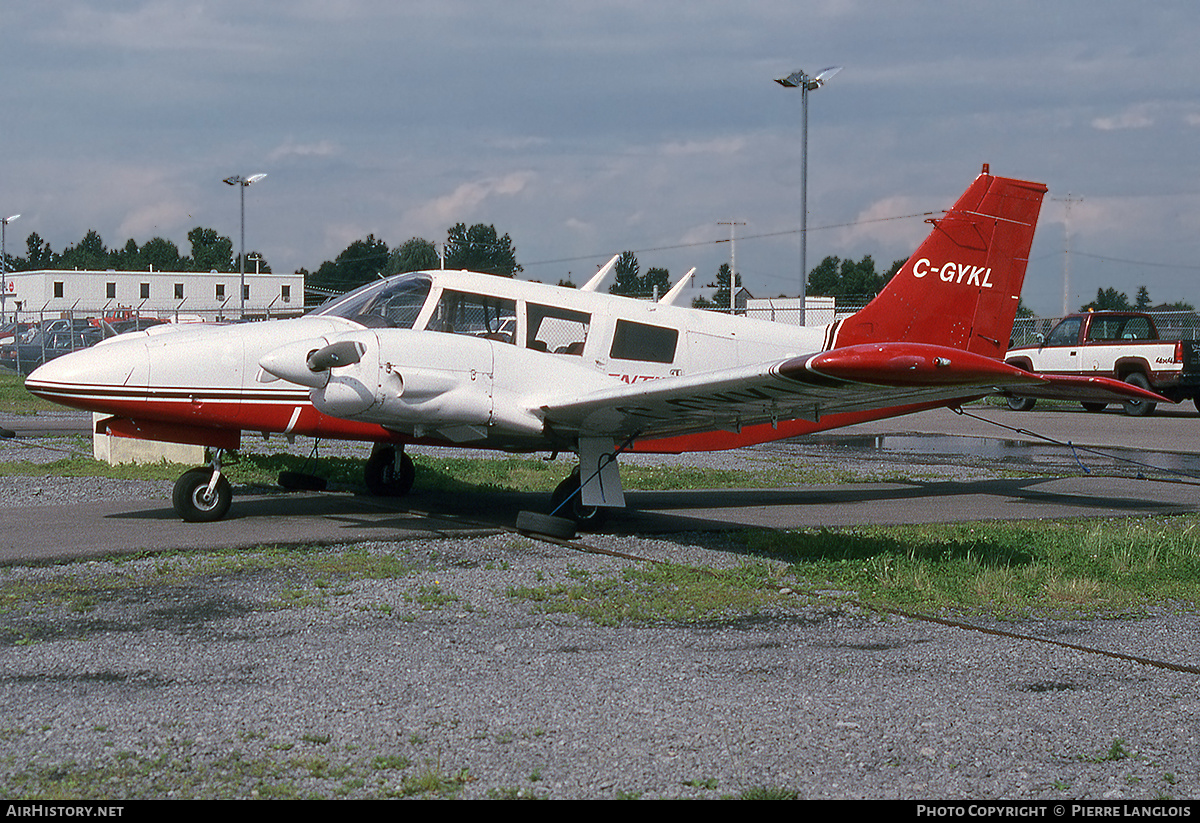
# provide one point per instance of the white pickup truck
(1121, 345)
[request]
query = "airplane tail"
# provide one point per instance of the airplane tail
(960, 288)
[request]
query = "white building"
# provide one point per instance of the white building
(156, 293)
(818, 311)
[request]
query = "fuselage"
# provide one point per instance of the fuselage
(448, 358)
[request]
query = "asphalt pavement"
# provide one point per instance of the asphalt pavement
(936, 466)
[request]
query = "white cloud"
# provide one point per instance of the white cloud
(1134, 117)
(321, 148)
(465, 201)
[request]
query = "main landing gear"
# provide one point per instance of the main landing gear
(567, 515)
(567, 501)
(389, 472)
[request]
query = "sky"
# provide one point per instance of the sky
(586, 129)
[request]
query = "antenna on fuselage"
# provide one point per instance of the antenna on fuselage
(599, 276)
(673, 295)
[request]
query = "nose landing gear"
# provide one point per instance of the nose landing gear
(202, 495)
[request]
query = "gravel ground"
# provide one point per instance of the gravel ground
(302, 675)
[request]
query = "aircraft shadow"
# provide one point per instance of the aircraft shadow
(716, 509)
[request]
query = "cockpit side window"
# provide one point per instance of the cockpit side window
(478, 315)
(555, 330)
(393, 303)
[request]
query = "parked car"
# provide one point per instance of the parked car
(38, 347)
(9, 330)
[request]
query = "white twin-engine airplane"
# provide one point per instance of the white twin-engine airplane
(455, 358)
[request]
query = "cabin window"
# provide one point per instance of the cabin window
(178, 291)
(650, 344)
(58, 289)
(145, 291)
(285, 292)
(392, 303)
(220, 291)
(555, 330)
(110, 290)
(478, 315)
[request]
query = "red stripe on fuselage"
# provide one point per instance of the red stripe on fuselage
(220, 410)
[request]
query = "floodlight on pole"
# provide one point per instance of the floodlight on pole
(4, 263)
(802, 81)
(242, 183)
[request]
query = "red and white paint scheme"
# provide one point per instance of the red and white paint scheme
(465, 359)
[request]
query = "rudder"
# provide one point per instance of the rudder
(961, 287)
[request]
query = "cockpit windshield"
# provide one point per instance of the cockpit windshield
(392, 303)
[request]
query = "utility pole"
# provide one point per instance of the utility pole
(1067, 250)
(732, 262)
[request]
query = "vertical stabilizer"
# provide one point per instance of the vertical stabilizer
(960, 288)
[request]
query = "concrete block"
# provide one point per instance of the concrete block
(115, 450)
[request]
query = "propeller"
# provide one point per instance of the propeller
(341, 353)
(307, 362)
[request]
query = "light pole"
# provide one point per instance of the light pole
(800, 80)
(4, 264)
(242, 182)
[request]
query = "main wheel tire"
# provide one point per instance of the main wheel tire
(587, 518)
(387, 476)
(1139, 408)
(192, 501)
(1095, 407)
(1021, 403)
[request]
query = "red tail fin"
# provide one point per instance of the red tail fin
(961, 287)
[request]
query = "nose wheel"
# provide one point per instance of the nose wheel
(202, 495)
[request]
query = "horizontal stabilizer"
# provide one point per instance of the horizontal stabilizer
(1081, 389)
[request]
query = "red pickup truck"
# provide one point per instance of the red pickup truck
(1118, 344)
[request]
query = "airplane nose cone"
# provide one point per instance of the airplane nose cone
(91, 378)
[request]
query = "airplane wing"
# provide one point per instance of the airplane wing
(850, 379)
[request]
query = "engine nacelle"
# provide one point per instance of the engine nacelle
(419, 382)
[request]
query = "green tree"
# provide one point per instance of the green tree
(834, 277)
(656, 282)
(720, 300)
(88, 255)
(162, 254)
(480, 249)
(1108, 300)
(360, 262)
(1142, 302)
(40, 255)
(415, 254)
(255, 263)
(627, 276)
(210, 251)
